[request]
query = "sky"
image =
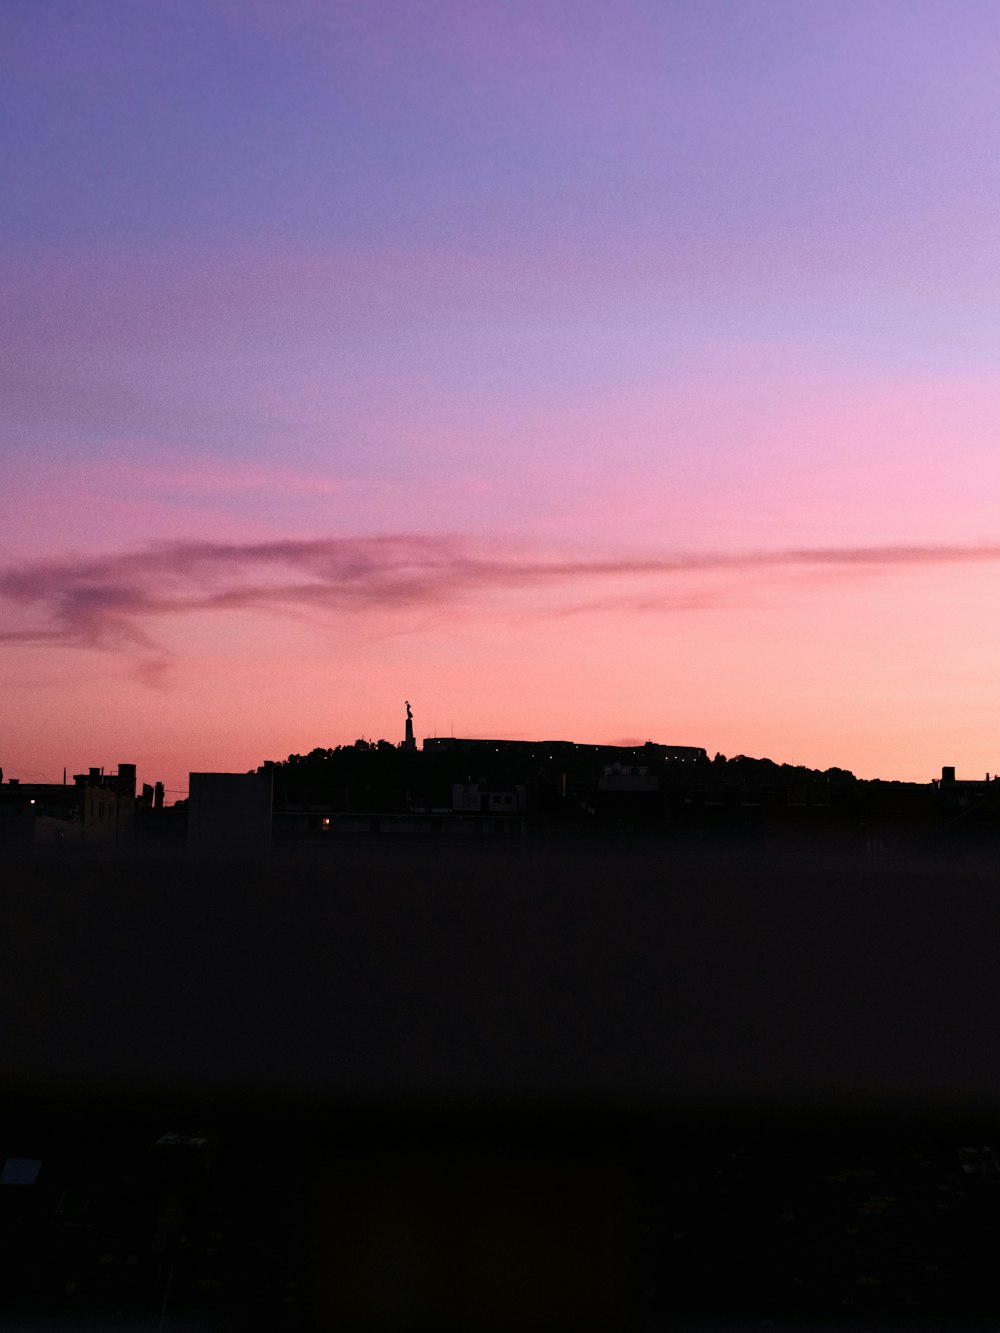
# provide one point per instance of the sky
(603, 372)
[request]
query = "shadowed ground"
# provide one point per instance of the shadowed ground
(494, 1089)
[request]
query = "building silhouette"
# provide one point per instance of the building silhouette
(97, 810)
(651, 751)
(230, 813)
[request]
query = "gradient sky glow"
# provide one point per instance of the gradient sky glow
(572, 369)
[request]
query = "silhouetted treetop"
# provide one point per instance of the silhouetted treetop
(380, 775)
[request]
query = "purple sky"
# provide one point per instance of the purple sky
(572, 282)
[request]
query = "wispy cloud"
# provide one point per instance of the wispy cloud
(112, 601)
(200, 478)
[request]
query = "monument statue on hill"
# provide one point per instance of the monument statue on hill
(409, 743)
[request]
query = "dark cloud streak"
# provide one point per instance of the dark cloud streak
(109, 600)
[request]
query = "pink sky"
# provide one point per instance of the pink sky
(572, 372)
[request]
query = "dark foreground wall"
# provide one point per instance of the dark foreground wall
(615, 977)
(612, 1087)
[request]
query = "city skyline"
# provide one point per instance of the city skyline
(626, 748)
(617, 373)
